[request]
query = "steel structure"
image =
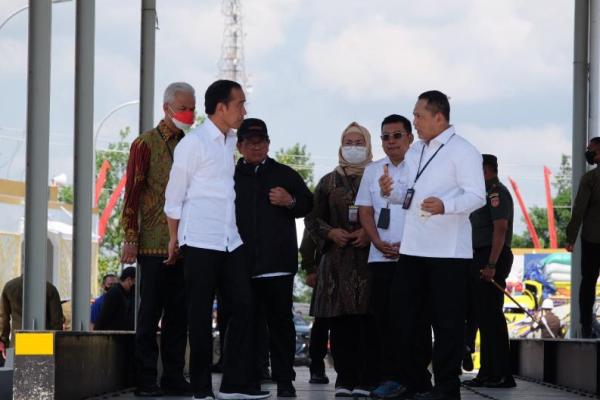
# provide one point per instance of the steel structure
(231, 63)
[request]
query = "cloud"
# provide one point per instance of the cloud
(491, 50)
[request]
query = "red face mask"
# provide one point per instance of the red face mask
(183, 119)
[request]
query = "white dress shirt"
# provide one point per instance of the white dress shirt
(369, 194)
(455, 176)
(200, 192)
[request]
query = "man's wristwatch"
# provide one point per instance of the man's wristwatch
(491, 265)
(292, 203)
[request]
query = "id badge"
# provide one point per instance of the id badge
(408, 198)
(383, 222)
(353, 214)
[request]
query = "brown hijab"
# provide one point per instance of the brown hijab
(354, 169)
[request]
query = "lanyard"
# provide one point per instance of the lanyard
(419, 170)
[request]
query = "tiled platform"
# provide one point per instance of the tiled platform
(525, 390)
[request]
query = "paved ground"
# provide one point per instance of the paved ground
(524, 390)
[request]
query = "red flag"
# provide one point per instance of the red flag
(530, 227)
(112, 201)
(550, 209)
(100, 180)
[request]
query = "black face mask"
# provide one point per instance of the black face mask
(589, 157)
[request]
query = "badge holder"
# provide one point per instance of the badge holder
(383, 222)
(353, 214)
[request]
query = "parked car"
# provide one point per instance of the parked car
(302, 340)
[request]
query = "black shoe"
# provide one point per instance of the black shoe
(286, 389)
(506, 382)
(148, 391)
(248, 394)
(475, 382)
(319, 378)
(179, 387)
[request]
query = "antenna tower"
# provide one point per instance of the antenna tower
(231, 63)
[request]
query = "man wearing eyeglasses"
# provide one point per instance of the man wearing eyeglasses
(384, 223)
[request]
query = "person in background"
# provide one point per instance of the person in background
(586, 213)
(344, 280)
(492, 229)
(384, 223)
(269, 198)
(11, 311)
(108, 281)
(118, 311)
(319, 331)
(551, 320)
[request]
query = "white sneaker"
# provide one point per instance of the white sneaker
(342, 391)
(250, 395)
(360, 392)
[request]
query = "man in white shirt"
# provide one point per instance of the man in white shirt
(384, 223)
(200, 209)
(445, 184)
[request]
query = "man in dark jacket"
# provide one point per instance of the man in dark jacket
(269, 197)
(118, 309)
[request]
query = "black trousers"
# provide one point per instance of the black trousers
(381, 298)
(486, 304)
(274, 299)
(354, 350)
(590, 265)
(431, 289)
(161, 296)
(205, 271)
(317, 348)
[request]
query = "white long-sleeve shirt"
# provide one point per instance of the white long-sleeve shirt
(369, 194)
(455, 176)
(200, 192)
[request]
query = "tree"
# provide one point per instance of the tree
(117, 155)
(562, 211)
(299, 159)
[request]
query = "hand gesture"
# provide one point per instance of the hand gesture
(389, 250)
(129, 255)
(173, 252)
(339, 236)
(569, 247)
(311, 280)
(278, 196)
(433, 205)
(359, 238)
(386, 184)
(487, 274)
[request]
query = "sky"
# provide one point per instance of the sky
(315, 66)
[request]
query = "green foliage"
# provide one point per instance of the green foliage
(302, 292)
(65, 194)
(562, 211)
(299, 159)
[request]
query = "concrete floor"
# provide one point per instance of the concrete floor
(524, 390)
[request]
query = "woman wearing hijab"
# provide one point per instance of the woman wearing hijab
(343, 284)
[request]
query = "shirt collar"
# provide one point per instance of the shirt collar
(387, 160)
(214, 131)
(165, 132)
(443, 137)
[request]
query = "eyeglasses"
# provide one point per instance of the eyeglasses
(396, 135)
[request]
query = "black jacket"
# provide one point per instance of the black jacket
(118, 310)
(268, 231)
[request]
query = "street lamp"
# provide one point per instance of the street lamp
(11, 15)
(111, 112)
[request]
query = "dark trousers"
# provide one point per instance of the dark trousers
(432, 289)
(590, 265)
(205, 271)
(317, 348)
(354, 350)
(486, 311)
(381, 292)
(274, 299)
(161, 296)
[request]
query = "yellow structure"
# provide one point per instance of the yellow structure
(12, 214)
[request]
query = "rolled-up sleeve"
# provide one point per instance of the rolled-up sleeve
(471, 184)
(179, 178)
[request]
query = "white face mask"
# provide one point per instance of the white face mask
(354, 154)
